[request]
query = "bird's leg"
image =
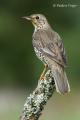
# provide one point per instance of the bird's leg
(43, 73)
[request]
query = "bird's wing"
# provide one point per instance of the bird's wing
(51, 45)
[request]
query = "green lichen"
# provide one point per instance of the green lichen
(35, 102)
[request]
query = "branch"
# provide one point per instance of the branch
(36, 101)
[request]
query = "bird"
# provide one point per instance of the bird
(49, 48)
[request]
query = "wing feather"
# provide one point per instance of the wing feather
(50, 44)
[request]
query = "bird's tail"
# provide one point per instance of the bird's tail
(60, 78)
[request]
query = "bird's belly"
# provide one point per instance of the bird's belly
(40, 56)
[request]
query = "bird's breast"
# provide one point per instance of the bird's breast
(40, 55)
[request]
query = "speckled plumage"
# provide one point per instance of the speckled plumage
(49, 49)
(48, 43)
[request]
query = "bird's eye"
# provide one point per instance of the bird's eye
(37, 17)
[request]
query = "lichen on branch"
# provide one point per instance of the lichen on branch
(35, 102)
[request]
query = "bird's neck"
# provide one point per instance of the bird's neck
(42, 27)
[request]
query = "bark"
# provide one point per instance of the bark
(35, 102)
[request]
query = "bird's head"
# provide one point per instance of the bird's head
(38, 20)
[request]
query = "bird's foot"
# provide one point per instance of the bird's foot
(42, 77)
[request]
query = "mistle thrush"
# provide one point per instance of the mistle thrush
(49, 48)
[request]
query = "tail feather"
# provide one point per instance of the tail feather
(61, 81)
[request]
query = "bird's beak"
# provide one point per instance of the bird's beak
(27, 17)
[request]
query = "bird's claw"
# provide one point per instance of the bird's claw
(42, 78)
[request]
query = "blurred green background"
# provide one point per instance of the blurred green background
(20, 68)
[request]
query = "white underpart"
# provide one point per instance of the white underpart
(42, 25)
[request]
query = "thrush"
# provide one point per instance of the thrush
(49, 48)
